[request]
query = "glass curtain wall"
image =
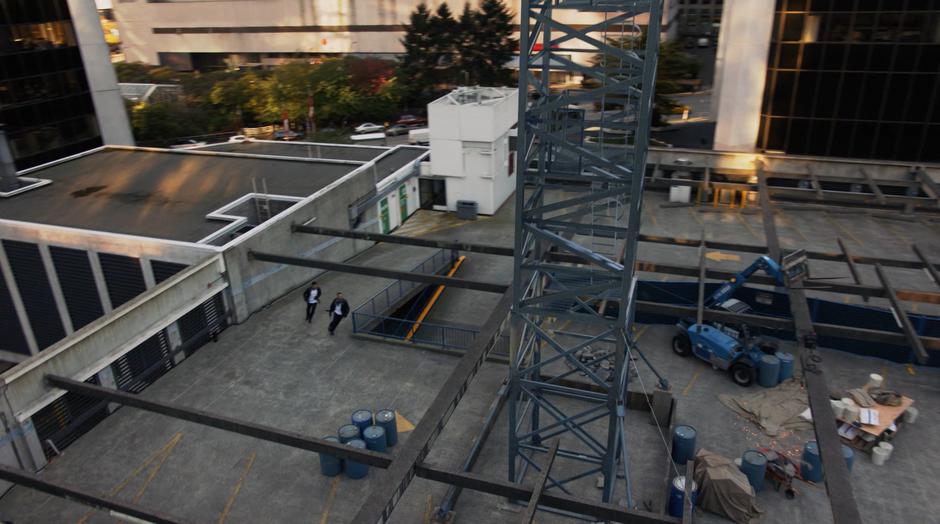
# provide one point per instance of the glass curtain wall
(854, 78)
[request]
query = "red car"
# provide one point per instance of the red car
(412, 120)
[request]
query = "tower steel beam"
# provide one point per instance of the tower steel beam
(602, 158)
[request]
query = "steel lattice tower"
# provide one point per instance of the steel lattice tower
(577, 221)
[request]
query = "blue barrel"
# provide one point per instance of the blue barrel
(354, 469)
(768, 371)
(849, 455)
(677, 496)
(375, 438)
(811, 466)
(330, 465)
(385, 419)
(754, 467)
(362, 418)
(683, 444)
(348, 432)
(786, 365)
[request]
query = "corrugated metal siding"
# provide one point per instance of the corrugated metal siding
(123, 276)
(164, 270)
(33, 284)
(67, 418)
(78, 285)
(11, 333)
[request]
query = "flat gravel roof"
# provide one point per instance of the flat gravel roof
(158, 194)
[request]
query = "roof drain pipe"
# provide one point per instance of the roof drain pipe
(8, 180)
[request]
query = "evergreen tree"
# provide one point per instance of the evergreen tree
(468, 59)
(494, 43)
(417, 66)
(444, 38)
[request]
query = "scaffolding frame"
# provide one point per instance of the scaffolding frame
(597, 157)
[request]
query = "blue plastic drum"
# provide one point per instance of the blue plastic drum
(683, 444)
(354, 469)
(677, 496)
(786, 365)
(849, 455)
(362, 418)
(385, 419)
(754, 467)
(330, 465)
(375, 438)
(348, 432)
(811, 468)
(768, 371)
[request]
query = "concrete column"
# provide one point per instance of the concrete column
(147, 270)
(99, 282)
(56, 288)
(107, 380)
(17, 301)
(19, 446)
(102, 81)
(740, 72)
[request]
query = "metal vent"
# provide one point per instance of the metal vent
(164, 270)
(11, 333)
(67, 418)
(123, 276)
(33, 284)
(78, 285)
(143, 365)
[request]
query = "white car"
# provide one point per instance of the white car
(369, 127)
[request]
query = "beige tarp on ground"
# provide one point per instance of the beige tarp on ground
(773, 409)
(723, 489)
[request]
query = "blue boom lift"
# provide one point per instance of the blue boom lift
(729, 346)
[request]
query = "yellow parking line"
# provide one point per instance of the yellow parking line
(329, 500)
(161, 454)
(688, 387)
(237, 488)
(747, 226)
(844, 230)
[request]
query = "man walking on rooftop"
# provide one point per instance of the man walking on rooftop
(312, 298)
(339, 308)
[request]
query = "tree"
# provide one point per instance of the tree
(417, 64)
(443, 33)
(470, 60)
(672, 65)
(493, 41)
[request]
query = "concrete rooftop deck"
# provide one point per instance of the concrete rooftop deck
(277, 370)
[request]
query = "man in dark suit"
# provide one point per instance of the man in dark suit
(312, 298)
(339, 308)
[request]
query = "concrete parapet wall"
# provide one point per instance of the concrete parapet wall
(255, 284)
(100, 343)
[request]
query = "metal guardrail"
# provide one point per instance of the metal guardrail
(384, 300)
(437, 335)
(371, 318)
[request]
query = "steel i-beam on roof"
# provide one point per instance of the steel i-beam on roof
(607, 158)
(838, 484)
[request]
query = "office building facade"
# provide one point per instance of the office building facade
(186, 35)
(58, 91)
(844, 78)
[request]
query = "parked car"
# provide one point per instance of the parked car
(397, 129)
(368, 127)
(187, 144)
(286, 135)
(420, 137)
(412, 121)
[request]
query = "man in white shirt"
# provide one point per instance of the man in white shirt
(312, 298)
(339, 308)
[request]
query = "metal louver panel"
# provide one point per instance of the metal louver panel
(11, 333)
(164, 270)
(33, 284)
(78, 285)
(123, 276)
(67, 418)
(144, 364)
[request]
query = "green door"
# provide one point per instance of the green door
(383, 214)
(403, 203)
